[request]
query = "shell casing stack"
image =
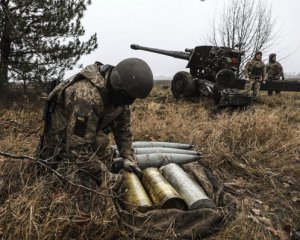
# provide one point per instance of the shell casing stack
(160, 191)
(192, 193)
(135, 197)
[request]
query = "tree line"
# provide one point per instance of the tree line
(40, 39)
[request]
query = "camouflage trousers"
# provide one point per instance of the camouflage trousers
(252, 84)
(270, 92)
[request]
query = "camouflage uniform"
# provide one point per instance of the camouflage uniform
(83, 117)
(255, 71)
(274, 71)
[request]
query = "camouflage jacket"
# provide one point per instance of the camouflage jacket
(274, 70)
(83, 117)
(255, 69)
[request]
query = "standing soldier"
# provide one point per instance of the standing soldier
(274, 71)
(255, 73)
(85, 110)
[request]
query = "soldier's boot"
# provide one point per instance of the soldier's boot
(270, 93)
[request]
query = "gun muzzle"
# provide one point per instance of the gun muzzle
(134, 46)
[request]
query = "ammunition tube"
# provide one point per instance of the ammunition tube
(192, 193)
(135, 196)
(160, 191)
(160, 159)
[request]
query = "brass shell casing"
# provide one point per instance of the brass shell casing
(135, 196)
(160, 191)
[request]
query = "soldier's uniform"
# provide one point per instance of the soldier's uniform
(274, 71)
(77, 133)
(255, 73)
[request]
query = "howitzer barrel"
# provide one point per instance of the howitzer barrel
(189, 50)
(175, 54)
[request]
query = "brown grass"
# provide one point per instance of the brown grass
(255, 152)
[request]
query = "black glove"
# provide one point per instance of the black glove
(282, 78)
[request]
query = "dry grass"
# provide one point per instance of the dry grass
(255, 152)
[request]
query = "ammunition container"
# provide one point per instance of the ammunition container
(135, 197)
(192, 193)
(160, 159)
(160, 191)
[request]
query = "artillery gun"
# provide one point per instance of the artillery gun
(213, 73)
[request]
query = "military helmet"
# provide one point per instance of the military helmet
(134, 76)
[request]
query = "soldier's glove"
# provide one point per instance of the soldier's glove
(282, 78)
(131, 166)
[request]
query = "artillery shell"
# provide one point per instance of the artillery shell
(160, 191)
(150, 150)
(164, 150)
(192, 193)
(135, 196)
(160, 159)
(140, 144)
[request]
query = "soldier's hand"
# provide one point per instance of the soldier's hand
(264, 82)
(282, 78)
(131, 166)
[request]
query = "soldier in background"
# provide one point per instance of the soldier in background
(255, 74)
(86, 109)
(274, 71)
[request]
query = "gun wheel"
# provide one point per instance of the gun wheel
(225, 78)
(182, 85)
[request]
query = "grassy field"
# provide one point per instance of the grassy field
(255, 153)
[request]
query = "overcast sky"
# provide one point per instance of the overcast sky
(175, 25)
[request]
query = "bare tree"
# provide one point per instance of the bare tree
(246, 25)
